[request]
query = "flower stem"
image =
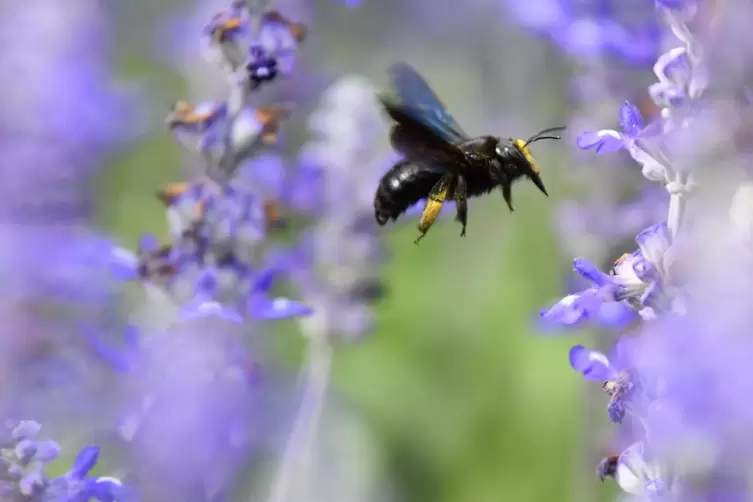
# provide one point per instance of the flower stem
(316, 373)
(677, 204)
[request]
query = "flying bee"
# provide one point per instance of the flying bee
(440, 161)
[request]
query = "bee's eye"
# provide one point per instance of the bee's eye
(502, 151)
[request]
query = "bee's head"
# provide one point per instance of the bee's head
(518, 153)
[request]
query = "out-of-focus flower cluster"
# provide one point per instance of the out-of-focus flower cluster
(593, 28)
(676, 379)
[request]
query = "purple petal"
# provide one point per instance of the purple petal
(673, 4)
(264, 280)
(117, 359)
(85, 462)
(106, 489)
(26, 448)
(605, 141)
(47, 451)
(29, 483)
(261, 307)
(207, 284)
(614, 315)
(630, 120)
(674, 67)
(654, 243)
(591, 272)
(123, 265)
(201, 308)
(573, 309)
(132, 337)
(26, 429)
(591, 363)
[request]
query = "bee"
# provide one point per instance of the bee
(607, 467)
(440, 161)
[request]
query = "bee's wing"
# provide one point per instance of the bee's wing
(417, 97)
(420, 144)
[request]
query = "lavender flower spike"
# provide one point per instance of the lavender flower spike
(342, 246)
(337, 260)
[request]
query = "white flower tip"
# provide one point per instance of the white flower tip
(124, 256)
(280, 303)
(109, 479)
(610, 133)
(598, 357)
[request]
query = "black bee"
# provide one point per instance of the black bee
(441, 162)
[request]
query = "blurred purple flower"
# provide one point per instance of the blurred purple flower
(591, 29)
(62, 115)
(194, 400)
(51, 144)
(75, 486)
(334, 265)
(600, 221)
(120, 360)
(22, 477)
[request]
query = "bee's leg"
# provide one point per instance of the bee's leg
(460, 194)
(507, 194)
(434, 202)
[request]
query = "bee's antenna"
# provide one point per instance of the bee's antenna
(539, 135)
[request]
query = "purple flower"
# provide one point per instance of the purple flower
(639, 473)
(629, 138)
(641, 277)
(578, 307)
(254, 302)
(638, 279)
(596, 366)
(25, 458)
(75, 486)
(192, 410)
(614, 371)
(681, 79)
(607, 140)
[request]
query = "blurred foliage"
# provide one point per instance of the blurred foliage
(467, 401)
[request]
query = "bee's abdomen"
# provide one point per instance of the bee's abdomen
(402, 186)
